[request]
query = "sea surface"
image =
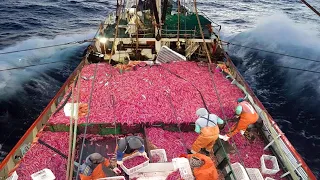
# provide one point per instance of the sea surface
(291, 96)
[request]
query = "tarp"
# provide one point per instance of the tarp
(188, 22)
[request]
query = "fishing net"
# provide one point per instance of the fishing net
(187, 22)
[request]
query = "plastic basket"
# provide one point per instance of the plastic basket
(44, 174)
(184, 168)
(238, 171)
(275, 166)
(269, 178)
(254, 174)
(113, 178)
(136, 168)
(161, 153)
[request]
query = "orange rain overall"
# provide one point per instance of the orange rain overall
(248, 116)
(98, 172)
(206, 139)
(207, 170)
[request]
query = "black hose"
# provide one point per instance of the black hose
(66, 100)
(155, 12)
(164, 11)
(202, 98)
(53, 149)
(63, 104)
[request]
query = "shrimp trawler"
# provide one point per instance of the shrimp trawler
(151, 65)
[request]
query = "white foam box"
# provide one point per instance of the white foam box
(156, 171)
(161, 152)
(254, 174)
(44, 174)
(275, 166)
(239, 172)
(68, 109)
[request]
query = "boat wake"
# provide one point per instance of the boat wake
(290, 95)
(24, 93)
(13, 80)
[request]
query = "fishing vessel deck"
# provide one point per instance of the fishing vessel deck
(135, 111)
(145, 76)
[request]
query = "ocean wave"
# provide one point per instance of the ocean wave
(290, 96)
(12, 81)
(235, 21)
(13, 26)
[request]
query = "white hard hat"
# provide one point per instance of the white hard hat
(202, 112)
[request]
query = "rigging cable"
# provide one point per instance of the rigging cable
(280, 66)
(204, 103)
(87, 118)
(174, 110)
(178, 32)
(265, 64)
(201, 32)
(75, 127)
(267, 51)
(137, 29)
(32, 65)
(202, 98)
(44, 47)
(305, 70)
(227, 43)
(116, 34)
(225, 117)
(310, 7)
(70, 134)
(114, 118)
(214, 85)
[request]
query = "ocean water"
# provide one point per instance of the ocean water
(284, 26)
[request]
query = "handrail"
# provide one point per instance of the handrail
(181, 30)
(286, 142)
(34, 124)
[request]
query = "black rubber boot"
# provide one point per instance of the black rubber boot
(205, 152)
(189, 151)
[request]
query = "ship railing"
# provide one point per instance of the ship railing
(190, 33)
(174, 33)
(284, 150)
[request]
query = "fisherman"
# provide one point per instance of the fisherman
(96, 166)
(247, 116)
(202, 166)
(129, 145)
(206, 127)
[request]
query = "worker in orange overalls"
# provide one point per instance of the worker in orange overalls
(247, 116)
(96, 166)
(206, 127)
(202, 166)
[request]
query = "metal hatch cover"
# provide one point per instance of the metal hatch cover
(166, 55)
